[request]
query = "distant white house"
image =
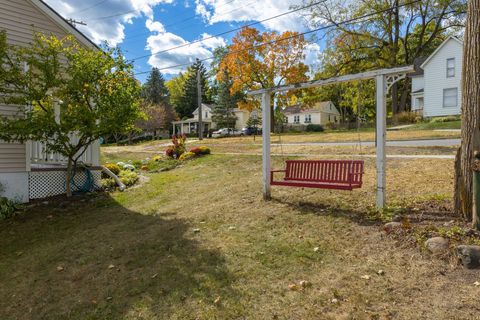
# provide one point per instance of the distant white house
(321, 113)
(188, 126)
(436, 86)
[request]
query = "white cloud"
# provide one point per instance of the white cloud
(106, 19)
(312, 56)
(214, 11)
(185, 55)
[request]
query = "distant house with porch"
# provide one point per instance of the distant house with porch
(320, 113)
(190, 126)
(27, 170)
(436, 84)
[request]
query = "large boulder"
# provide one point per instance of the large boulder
(437, 244)
(469, 255)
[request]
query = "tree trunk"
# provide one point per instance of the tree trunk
(395, 100)
(69, 178)
(470, 111)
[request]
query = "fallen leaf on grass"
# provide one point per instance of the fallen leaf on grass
(111, 266)
(60, 268)
(217, 301)
(366, 277)
(293, 287)
(476, 283)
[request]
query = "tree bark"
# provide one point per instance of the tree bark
(69, 178)
(470, 111)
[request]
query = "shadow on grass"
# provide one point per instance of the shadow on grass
(95, 259)
(319, 209)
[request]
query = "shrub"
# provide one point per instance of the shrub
(444, 119)
(196, 150)
(407, 117)
(178, 147)
(204, 150)
(129, 178)
(8, 208)
(113, 167)
(108, 184)
(314, 128)
(187, 156)
(137, 163)
(157, 158)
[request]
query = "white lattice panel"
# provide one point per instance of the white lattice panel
(44, 184)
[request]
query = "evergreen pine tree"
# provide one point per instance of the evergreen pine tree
(189, 102)
(156, 104)
(223, 112)
(154, 90)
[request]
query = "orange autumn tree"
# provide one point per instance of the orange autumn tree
(261, 60)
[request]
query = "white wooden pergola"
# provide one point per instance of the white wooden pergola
(384, 79)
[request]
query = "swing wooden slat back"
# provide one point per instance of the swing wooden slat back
(324, 174)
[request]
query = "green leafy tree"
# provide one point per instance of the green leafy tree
(65, 90)
(175, 88)
(189, 102)
(397, 33)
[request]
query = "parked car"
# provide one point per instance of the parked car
(248, 131)
(225, 132)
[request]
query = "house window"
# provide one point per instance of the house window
(206, 114)
(450, 97)
(296, 119)
(308, 118)
(451, 68)
(329, 118)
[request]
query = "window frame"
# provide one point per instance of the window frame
(456, 97)
(451, 68)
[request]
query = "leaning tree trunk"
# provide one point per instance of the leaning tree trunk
(470, 112)
(68, 182)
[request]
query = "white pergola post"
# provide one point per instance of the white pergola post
(381, 135)
(266, 145)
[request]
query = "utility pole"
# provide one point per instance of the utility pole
(199, 99)
(74, 22)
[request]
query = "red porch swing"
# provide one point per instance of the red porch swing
(323, 174)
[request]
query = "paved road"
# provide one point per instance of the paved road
(356, 156)
(399, 143)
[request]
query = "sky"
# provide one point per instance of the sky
(145, 28)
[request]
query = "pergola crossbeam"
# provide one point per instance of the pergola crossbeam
(346, 78)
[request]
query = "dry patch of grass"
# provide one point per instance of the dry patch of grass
(198, 242)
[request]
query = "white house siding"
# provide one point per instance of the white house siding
(242, 118)
(435, 75)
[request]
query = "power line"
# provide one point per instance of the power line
(92, 6)
(115, 15)
(344, 22)
(228, 31)
(191, 18)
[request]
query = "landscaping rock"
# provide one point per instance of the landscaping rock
(397, 218)
(392, 226)
(469, 255)
(437, 244)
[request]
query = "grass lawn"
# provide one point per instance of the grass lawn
(198, 242)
